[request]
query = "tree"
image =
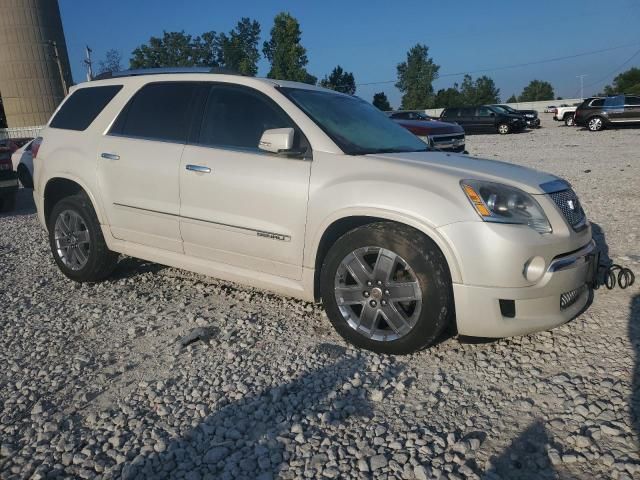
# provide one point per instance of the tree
(112, 62)
(480, 91)
(537, 90)
(512, 99)
(177, 49)
(240, 48)
(449, 97)
(287, 56)
(626, 82)
(415, 78)
(340, 81)
(380, 101)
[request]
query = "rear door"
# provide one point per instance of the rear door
(139, 164)
(240, 205)
(632, 108)
(614, 109)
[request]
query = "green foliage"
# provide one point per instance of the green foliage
(178, 49)
(287, 56)
(448, 97)
(340, 81)
(381, 101)
(512, 99)
(480, 91)
(112, 62)
(415, 78)
(626, 82)
(240, 48)
(537, 90)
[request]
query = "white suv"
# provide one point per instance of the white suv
(312, 194)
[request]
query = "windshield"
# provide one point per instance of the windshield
(356, 126)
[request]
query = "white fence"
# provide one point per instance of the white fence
(19, 132)
(539, 106)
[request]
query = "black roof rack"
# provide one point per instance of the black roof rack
(165, 70)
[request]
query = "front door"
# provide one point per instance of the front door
(239, 205)
(139, 165)
(485, 120)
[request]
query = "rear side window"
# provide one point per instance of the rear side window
(237, 117)
(159, 111)
(83, 106)
(635, 101)
(450, 112)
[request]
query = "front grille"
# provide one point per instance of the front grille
(568, 203)
(446, 138)
(569, 298)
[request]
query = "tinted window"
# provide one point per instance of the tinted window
(484, 112)
(635, 101)
(614, 102)
(450, 112)
(402, 116)
(83, 106)
(598, 102)
(237, 117)
(467, 112)
(159, 111)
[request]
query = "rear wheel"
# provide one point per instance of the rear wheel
(387, 288)
(569, 121)
(503, 129)
(76, 241)
(595, 124)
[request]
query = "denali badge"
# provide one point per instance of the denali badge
(275, 236)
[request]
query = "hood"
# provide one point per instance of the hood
(430, 127)
(460, 167)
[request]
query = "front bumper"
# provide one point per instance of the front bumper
(533, 122)
(559, 296)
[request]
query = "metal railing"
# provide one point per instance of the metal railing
(20, 132)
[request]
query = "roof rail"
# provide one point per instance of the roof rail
(165, 70)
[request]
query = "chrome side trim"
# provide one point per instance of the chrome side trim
(568, 261)
(555, 186)
(259, 233)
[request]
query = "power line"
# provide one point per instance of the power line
(614, 71)
(519, 65)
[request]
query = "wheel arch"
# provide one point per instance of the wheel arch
(334, 228)
(60, 187)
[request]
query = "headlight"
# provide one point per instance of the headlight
(425, 139)
(499, 203)
(530, 115)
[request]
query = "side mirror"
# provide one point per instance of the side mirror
(277, 140)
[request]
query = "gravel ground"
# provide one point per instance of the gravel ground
(94, 381)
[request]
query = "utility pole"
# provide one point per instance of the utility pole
(57, 58)
(88, 63)
(581, 77)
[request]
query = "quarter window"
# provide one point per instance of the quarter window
(83, 106)
(159, 111)
(237, 117)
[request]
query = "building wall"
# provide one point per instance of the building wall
(30, 83)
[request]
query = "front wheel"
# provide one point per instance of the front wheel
(76, 241)
(387, 288)
(569, 121)
(503, 129)
(595, 124)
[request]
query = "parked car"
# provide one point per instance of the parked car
(550, 109)
(313, 194)
(14, 144)
(530, 116)
(599, 113)
(565, 114)
(483, 119)
(22, 162)
(8, 181)
(440, 135)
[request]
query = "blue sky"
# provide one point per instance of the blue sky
(370, 37)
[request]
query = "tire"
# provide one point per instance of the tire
(569, 120)
(25, 177)
(8, 203)
(595, 124)
(504, 129)
(416, 323)
(76, 240)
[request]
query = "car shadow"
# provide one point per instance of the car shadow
(252, 436)
(130, 267)
(24, 204)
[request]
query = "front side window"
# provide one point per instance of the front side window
(159, 111)
(356, 126)
(83, 106)
(236, 117)
(484, 112)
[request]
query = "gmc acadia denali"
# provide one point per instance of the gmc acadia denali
(309, 193)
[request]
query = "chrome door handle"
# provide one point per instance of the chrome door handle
(110, 156)
(198, 168)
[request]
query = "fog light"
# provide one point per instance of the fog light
(534, 269)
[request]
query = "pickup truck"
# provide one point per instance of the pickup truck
(565, 114)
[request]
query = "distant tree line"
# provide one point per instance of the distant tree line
(239, 50)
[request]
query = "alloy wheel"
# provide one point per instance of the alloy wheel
(378, 293)
(72, 240)
(503, 129)
(595, 124)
